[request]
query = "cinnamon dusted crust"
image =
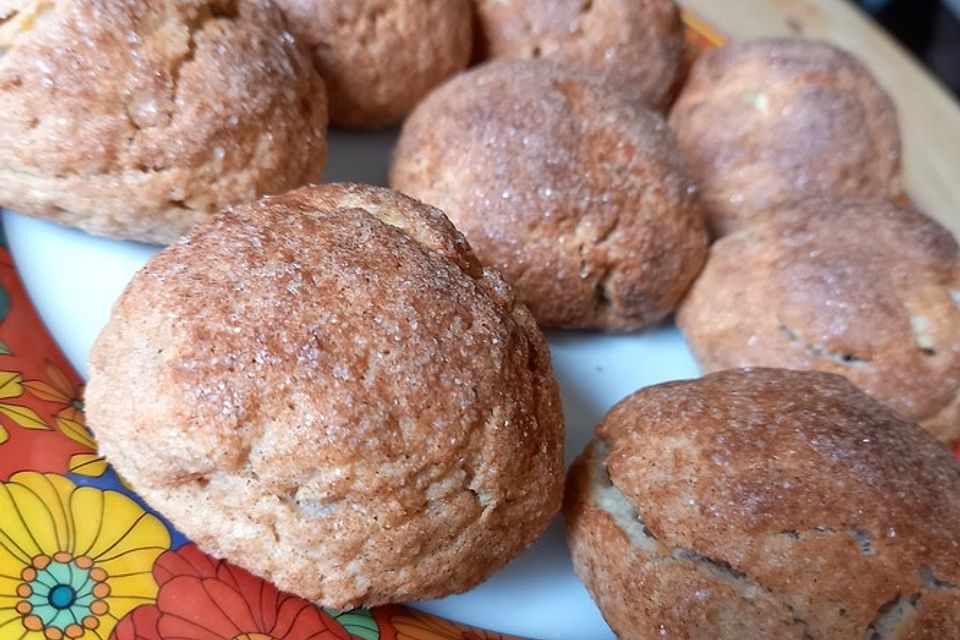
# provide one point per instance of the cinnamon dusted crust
(635, 45)
(766, 122)
(326, 389)
(764, 503)
(140, 119)
(576, 195)
(381, 57)
(862, 289)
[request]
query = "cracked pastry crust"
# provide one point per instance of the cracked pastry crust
(327, 389)
(636, 45)
(766, 122)
(756, 504)
(858, 288)
(140, 119)
(576, 195)
(381, 57)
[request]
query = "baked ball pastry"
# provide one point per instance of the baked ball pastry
(381, 57)
(637, 45)
(766, 122)
(572, 192)
(763, 504)
(140, 119)
(859, 288)
(327, 389)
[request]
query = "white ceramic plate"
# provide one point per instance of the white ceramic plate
(74, 279)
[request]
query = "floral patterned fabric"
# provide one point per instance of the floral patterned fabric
(81, 557)
(203, 599)
(73, 560)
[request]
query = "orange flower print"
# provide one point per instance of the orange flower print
(413, 625)
(69, 417)
(61, 391)
(205, 599)
(33, 444)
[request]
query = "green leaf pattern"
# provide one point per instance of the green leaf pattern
(359, 623)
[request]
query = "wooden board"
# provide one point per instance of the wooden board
(929, 116)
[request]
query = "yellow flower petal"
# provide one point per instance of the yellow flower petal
(86, 513)
(20, 506)
(120, 607)
(4, 436)
(12, 562)
(8, 584)
(104, 629)
(141, 585)
(54, 492)
(9, 628)
(24, 417)
(137, 560)
(47, 513)
(87, 464)
(11, 384)
(125, 527)
(75, 431)
(37, 517)
(9, 550)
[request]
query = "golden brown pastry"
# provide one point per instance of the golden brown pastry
(636, 45)
(766, 122)
(381, 57)
(327, 389)
(859, 288)
(575, 194)
(140, 119)
(759, 504)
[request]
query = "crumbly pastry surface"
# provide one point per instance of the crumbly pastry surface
(327, 389)
(381, 57)
(636, 45)
(576, 195)
(766, 504)
(140, 119)
(766, 122)
(862, 289)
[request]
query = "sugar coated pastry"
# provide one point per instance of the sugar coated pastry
(327, 389)
(636, 45)
(381, 57)
(758, 504)
(859, 288)
(766, 122)
(577, 195)
(140, 119)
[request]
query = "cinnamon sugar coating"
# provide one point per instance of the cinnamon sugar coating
(635, 45)
(141, 119)
(326, 389)
(862, 289)
(381, 57)
(576, 195)
(766, 122)
(756, 504)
